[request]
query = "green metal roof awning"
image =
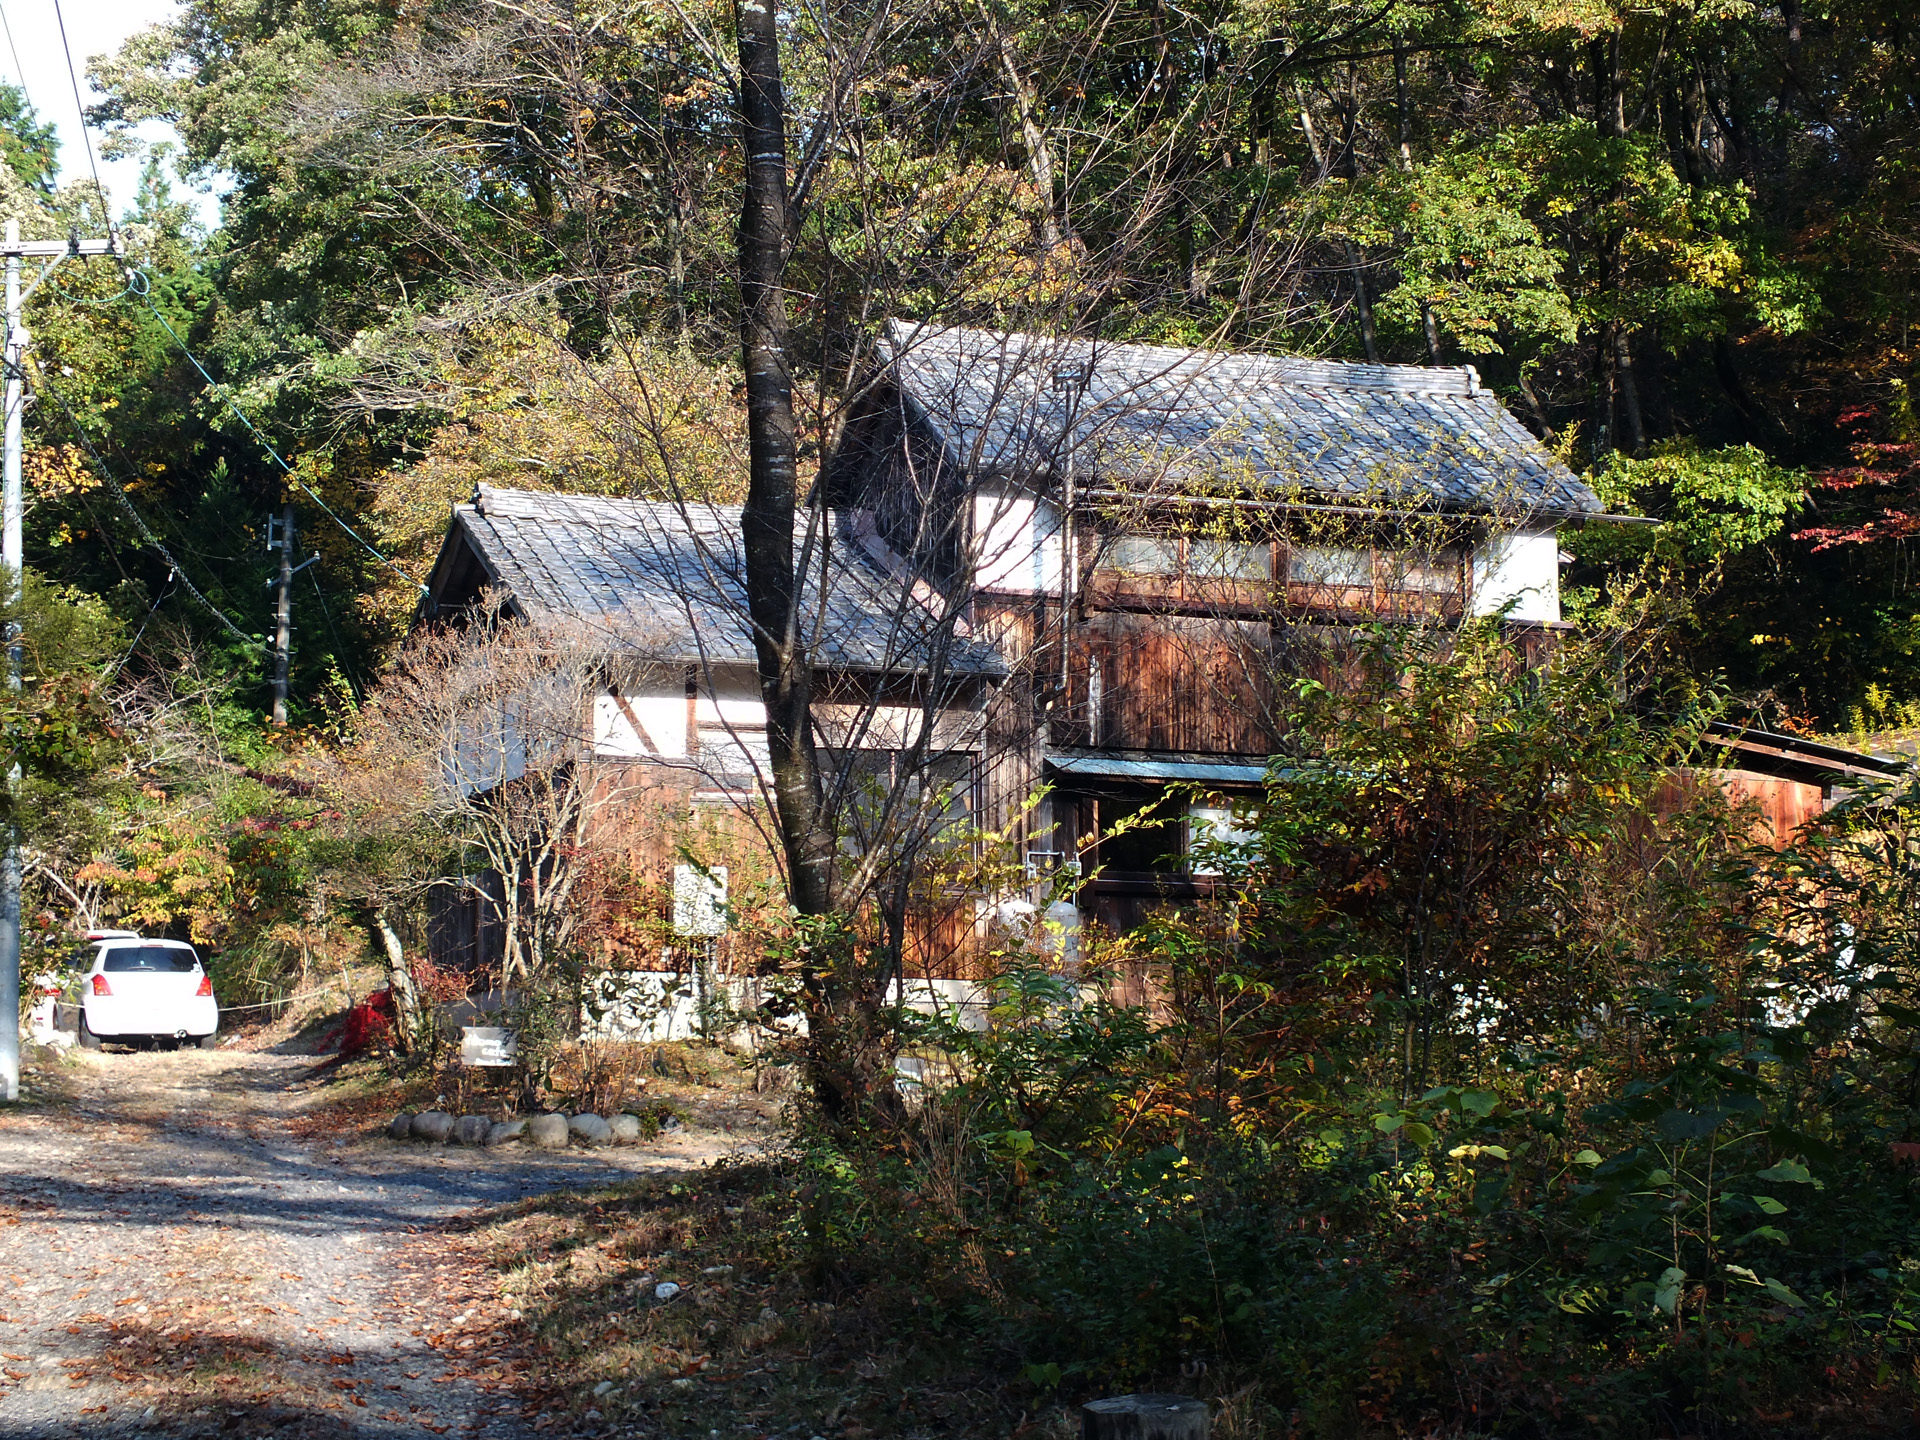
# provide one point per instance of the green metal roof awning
(1158, 769)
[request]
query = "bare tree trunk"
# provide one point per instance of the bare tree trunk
(1034, 140)
(1369, 339)
(1363, 303)
(1401, 116)
(767, 520)
(1629, 393)
(677, 275)
(1533, 404)
(513, 955)
(845, 1044)
(406, 1000)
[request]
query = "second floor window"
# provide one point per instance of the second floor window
(1140, 568)
(1196, 556)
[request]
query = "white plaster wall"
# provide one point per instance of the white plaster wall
(730, 729)
(732, 701)
(1016, 543)
(730, 732)
(1520, 570)
(896, 727)
(488, 749)
(662, 732)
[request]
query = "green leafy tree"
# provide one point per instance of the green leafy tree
(29, 145)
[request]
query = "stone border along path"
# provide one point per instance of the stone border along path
(173, 1263)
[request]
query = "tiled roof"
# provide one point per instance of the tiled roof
(667, 579)
(1392, 436)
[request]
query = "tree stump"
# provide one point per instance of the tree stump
(1144, 1417)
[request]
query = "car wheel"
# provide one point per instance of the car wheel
(209, 1042)
(87, 1039)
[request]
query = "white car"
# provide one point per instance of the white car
(138, 988)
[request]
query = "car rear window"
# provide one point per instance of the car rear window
(149, 957)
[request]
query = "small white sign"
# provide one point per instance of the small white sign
(700, 900)
(487, 1045)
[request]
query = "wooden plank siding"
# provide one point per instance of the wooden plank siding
(1026, 630)
(1780, 808)
(1171, 682)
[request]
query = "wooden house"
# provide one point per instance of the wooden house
(675, 717)
(1159, 538)
(1067, 565)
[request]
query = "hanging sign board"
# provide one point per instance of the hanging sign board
(487, 1045)
(699, 900)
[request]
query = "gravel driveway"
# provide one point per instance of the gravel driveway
(173, 1262)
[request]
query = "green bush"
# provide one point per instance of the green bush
(1514, 1088)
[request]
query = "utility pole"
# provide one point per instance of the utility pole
(12, 556)
(283, 611)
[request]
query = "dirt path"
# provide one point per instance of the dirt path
(173, 1262)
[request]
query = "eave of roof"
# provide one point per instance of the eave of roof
(1169, 768)
(1793, 757)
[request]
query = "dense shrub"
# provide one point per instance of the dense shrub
(1513, 1088)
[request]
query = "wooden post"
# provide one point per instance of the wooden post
(1144, 1417)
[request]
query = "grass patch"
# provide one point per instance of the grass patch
(750, 1336)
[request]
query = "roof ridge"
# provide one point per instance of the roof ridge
(510, 503)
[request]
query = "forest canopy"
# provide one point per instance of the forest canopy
(1675, 239)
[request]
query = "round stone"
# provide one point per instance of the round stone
(401, 1126)
(549, 1132)
(592, 1129)
(506, 1132)
(471, 1130)
(433, 1125)
(626, 1129)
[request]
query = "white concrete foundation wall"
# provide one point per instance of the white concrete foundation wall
(654, 1006)
(963, 1000)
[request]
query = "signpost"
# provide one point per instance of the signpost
(488, 1046)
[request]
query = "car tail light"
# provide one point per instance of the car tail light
(100, 986)
(206, 986)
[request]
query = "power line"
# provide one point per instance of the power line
(19, 71)
(339, 647)
(144, 291)
(80, 109)
(126, 503)
(134, 644)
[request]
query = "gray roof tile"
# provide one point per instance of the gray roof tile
(1396, 436)
(667, 579)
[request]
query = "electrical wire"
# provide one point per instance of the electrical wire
(86, 135)
(141, 286)
(143, 291)
(126, 503)
(339, 645)
(134, 644)
(19, 71)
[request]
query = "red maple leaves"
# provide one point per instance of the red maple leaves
(1874, 500)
